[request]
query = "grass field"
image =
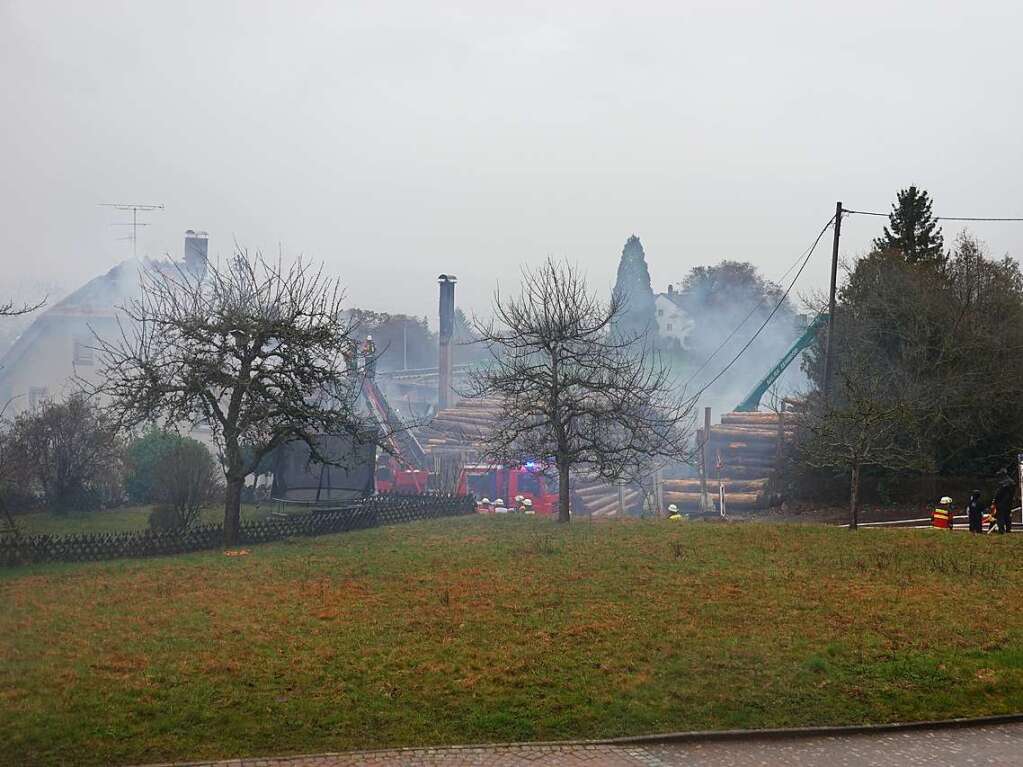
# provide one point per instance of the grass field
(491, 629)
(117, 520)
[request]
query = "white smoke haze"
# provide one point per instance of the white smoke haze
(398, 141)
(726, 315)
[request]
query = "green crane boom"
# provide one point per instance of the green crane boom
(752, 402)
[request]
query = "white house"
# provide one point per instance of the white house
(57, 348)
(672, 320)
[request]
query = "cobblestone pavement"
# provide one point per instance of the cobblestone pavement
(994, 745)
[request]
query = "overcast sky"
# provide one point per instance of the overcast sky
(395, 141)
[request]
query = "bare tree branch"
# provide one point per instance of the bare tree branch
(574, 394)
(254, 350)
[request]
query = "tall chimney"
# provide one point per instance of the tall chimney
(196, 249)
(447, 331)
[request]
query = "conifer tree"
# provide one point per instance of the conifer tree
(912, 230)
(639, 315)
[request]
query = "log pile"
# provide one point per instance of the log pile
(747, 447)
(747, 444)
(460, 429)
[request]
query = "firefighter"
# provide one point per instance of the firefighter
(1004, 496)
(499, 507)
(673, 513)
(975, 512)
(527, 506)
(369, 350)
(941, 517)
(518, 503)
(484, 506)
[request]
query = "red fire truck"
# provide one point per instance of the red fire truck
(506, 483)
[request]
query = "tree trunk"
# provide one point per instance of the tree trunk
(854, 497)
(564, 515)
(233, 511)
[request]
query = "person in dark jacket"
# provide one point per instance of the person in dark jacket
(1004, 496)
(975, 512)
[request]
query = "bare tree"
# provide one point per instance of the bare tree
(253, 350)
(575, 395)
(69, 452)
(863, 427)
(10, 309)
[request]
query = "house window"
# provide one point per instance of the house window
(83, 353)
(37, 396)
(660, 312)
(669, 327)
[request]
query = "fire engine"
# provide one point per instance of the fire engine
(505, 482)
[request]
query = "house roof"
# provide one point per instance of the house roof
(97, 299)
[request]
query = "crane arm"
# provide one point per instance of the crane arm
(752, 402)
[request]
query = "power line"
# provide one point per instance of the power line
(936, 218)
(802, 256)
(774, 311)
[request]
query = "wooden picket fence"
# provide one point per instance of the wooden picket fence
(370, 512)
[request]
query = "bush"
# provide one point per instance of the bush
(144, 456)
(163, 518)
(183, 481)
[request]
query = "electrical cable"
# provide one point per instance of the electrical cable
(745, 319)
(774, 311)
(936, 218)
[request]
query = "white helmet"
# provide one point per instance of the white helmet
(499, 502)
(945, 499)
(673, 509)
(518, 498)
(527, 502)
(485, 500)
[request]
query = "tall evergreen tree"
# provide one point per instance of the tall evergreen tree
(639, 315)
(912, 229)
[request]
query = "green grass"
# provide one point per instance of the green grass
(492, 629)
(115, 520)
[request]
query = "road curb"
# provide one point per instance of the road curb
(781, 733)
(691, 736)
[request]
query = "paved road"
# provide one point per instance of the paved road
(995, 745)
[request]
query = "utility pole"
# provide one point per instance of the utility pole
(705, 504)
(829, 351)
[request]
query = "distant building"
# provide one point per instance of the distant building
(58, 346)
(672, 320)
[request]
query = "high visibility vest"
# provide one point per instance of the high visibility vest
(941, 518)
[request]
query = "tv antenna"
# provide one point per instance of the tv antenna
(135, 208)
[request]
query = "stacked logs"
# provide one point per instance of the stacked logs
(741, 494)
(597, 498)
(747, 447)
(460, 429)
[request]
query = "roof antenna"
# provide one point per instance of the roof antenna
(134, 223)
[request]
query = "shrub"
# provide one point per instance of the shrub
(163, 518)
(143, 457)
(183, 481)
